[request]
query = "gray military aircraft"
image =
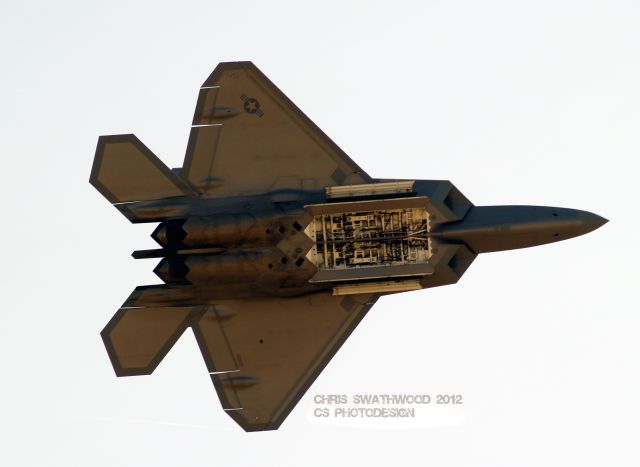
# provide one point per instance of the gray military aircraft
(275, 244)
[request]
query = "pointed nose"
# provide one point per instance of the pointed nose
(590, 222)
(569, 223)
(496, 228)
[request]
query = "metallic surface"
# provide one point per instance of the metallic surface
(274, 244)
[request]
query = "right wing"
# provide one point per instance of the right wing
(248, 137)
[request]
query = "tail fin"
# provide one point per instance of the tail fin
(125, 170)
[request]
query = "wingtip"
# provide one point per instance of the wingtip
(226, 66)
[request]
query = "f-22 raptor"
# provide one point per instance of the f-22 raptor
(275, 244)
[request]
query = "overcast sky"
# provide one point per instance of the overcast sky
(529, 102)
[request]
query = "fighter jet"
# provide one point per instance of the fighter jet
(274, 244)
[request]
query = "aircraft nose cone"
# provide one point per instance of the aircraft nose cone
(570, 223)
(497, 228)
(591, 221)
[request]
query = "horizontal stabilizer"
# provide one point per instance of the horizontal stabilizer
(125, 170)
(137, 339)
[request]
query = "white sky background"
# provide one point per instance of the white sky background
(532, 102)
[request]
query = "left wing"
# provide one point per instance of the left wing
(263, 354)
